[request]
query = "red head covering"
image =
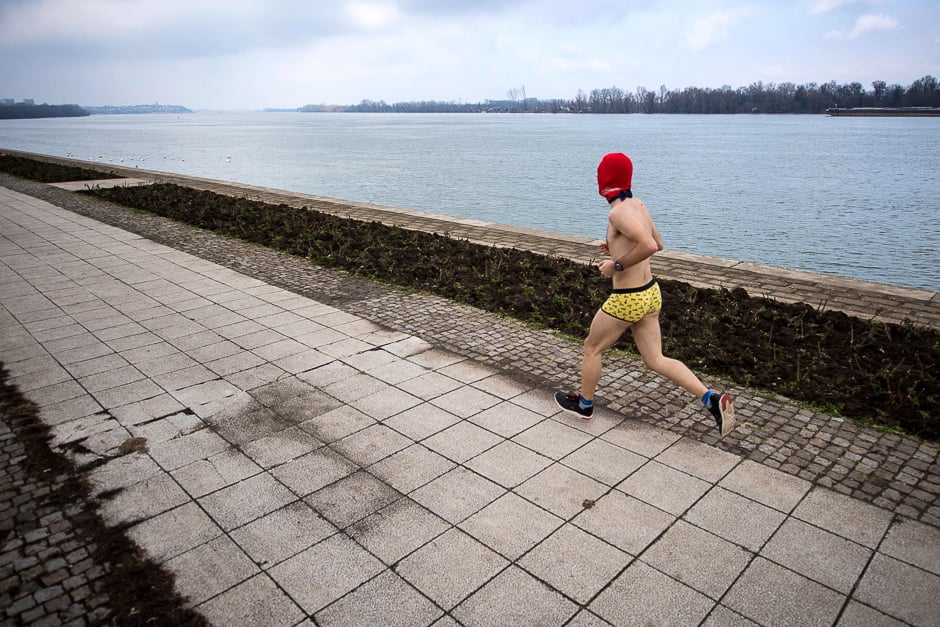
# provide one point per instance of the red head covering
(614, 175)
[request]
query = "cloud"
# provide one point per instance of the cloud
(866, 24)
(372, 15)
(825, 6)
(174, 28)
(873, 22)
(711, 29)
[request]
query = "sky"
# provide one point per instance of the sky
(254, 54)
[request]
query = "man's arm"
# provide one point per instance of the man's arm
(657, 237)
(646, 241)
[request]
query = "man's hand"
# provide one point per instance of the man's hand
(607, 268)
(604, 249)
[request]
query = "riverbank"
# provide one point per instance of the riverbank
(871, 371)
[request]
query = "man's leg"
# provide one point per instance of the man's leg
(649, 341)
(605, 331)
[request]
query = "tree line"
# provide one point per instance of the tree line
(22, 111)
(758, 97)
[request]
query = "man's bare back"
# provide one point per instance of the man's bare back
(632, 238)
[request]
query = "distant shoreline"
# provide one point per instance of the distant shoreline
(27, 111)
(890, 112)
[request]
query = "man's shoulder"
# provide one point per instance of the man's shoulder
(629, 205)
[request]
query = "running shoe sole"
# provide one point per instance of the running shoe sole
(726, 408)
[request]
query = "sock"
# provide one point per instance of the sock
(707, 399)
(584, 403)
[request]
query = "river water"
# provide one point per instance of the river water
(855, 197)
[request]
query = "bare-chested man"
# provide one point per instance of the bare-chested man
(632, 238)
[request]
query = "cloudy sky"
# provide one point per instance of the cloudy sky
(251, 54)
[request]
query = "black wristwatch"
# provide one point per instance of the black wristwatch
(618, 266)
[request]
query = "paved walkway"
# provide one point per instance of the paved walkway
(290, 458)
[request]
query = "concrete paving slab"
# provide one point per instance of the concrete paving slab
(735, 518)
(606, 521)
(411, 468)
(817, 554)
(223, 558)
(510, 525)
(508, 464)
(140, 501)
(386, 600)
(371, 444)
(640, 438)
(285, 532)
(174, 532)
(766, 485)
(576, 563)
(457, 494)
(913, 542)
(429, 385)
(462, 441)
(325, 572)
(668, 489)
(604, 462)
(632, 599)
(852, 519)
(451, 567)
(698, 459)
(697, 558)
(352, 498)
(255, 602)
(281, 447)
(900, 590)
(420, 422)
(312, 471)
(501, 417)
(549, 438)
(561, 490)
(397, 530)
(516, 598)
(772, 595)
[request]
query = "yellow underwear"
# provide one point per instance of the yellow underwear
(633, 303)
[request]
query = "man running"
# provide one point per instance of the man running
(632, 238)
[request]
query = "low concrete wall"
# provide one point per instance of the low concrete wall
(875, 301)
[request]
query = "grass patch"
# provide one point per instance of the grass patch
(46, 172)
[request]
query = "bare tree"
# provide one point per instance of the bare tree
(513, 95)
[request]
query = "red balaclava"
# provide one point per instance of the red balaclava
(614, 175)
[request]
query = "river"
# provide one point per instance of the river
(855, 197)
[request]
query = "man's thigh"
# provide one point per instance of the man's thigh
(605, 330)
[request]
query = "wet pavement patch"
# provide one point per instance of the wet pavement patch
(67, 563)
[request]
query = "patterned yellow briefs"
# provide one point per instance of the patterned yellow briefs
(633, 303)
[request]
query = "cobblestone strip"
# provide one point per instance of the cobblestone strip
(59, 563)
(47, 575)
(895, 472)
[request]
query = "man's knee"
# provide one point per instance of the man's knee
(656, 363)
(592, 349)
